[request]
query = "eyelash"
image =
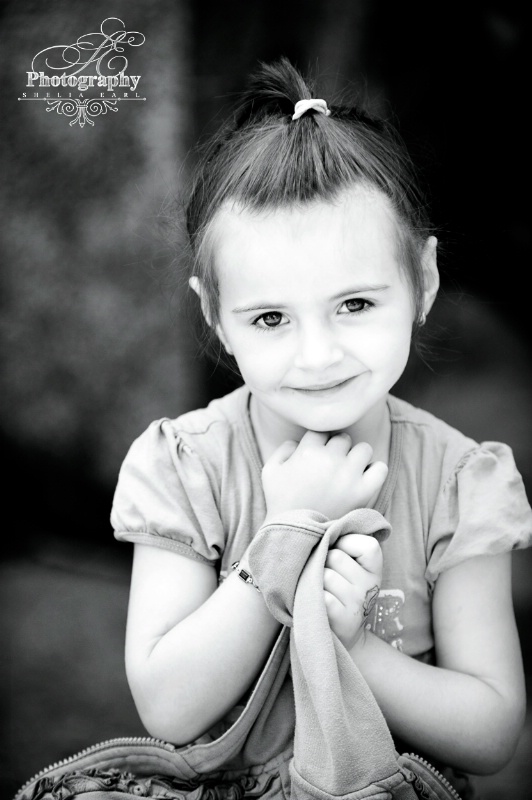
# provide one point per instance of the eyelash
(366, 305)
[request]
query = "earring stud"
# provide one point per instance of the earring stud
(422, 319)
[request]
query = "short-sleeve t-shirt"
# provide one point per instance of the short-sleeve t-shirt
(193, 485)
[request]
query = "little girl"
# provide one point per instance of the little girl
(314, 266)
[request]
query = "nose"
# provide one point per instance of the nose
(317, 348)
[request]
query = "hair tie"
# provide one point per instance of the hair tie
(302, 106)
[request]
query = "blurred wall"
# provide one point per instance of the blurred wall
(95, 344)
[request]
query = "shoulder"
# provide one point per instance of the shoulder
(453, 471)
(440, 445)
(209, 433)
(435, 447)
(169, 489)
(426, 429)
(475, 499)
(221, 420)
(220, 415)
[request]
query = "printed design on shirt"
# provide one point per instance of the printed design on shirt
(384, 620)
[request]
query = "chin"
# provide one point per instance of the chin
(326, 422)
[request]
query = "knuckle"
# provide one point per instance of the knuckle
(334, 557)
(329, 578)
(343, 435)
(335, 612)
(348, 541)
(373, 547)
(314, 437)
(364, 449)
(330, 603)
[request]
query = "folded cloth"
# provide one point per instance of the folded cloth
(326, 739)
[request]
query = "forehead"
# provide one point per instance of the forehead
(323, 243)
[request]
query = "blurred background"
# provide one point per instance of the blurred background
(97, 334)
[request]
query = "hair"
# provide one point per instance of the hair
(263, 160)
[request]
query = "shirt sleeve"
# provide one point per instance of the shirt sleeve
(482, 510)
(166, 497)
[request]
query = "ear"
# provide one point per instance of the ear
(430, 273)
(196, 286)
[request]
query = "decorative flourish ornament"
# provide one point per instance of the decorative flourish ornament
(82, 110)
(94, 63)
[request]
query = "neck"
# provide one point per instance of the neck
(271, 430)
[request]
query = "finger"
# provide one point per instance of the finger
(374, 477)
(364, 549)
(360, 455)
(283, 452)
(340, 443)
(335, 609)
(343, 563)
(311, 439)
(338, 586)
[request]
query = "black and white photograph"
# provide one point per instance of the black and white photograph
(266, 401)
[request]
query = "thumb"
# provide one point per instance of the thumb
(283, 452)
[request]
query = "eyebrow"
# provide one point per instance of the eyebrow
(348, 292)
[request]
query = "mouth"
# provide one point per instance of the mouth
(323, 389)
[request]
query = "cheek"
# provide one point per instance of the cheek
(398, 350)
(262, 364)
(388, 346)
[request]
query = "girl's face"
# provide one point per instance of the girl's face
(315, 309)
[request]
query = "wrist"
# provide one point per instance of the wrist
(360, 645)
(242, 570)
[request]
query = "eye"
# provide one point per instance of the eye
(272, 319)
(355, 305)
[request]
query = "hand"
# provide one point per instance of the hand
(351, 583)
(322, 473)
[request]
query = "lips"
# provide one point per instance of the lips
(323, 387)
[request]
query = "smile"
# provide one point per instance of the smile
(324, 389)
